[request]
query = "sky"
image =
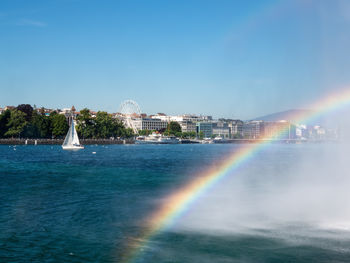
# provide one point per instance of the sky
(233, 59)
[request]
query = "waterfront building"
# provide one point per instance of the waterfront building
(301, 131)
(149, 124)
(162, 117)
(221, 129)
(236, 128)
(181, 118)
(188, 126)
(206, 128)
(279, 130)
(253, 129)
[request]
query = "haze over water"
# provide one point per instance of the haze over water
(288, 204)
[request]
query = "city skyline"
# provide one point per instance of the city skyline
(231, 59)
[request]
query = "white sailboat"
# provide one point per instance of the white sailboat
(71, 142)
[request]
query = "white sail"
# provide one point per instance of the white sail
(75, 139)
(72, 140)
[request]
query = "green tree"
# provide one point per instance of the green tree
(104, 125)
(187, 135)
(201, 135)
(237, 136)
(119, 129)
(174, 128)
(4, 119)
(41, 125)
(27, 109)
(128, 133)
(192, 134)
(59, 125)
(86, 125)
(145, 132)
(16, 123)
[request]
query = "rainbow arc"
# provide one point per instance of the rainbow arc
(180, 201)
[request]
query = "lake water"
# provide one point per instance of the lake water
(289, 203)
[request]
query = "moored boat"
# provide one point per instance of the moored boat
(156, 138)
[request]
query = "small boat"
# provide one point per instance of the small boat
(219, 139)
(71, 142)
(207, 141)
(156, 138)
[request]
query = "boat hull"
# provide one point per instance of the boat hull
(156, 142)
(72, 148)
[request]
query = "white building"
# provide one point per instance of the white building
(221, 129)
(301, 131)
(149, 124)
(188, 126)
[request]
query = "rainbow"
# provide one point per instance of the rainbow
(177, 203)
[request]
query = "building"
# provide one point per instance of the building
(253, 129)
(236, 128)
(320, 132)
(279, 130)
(44, 111)
(221, 129)
(206, 128)
(162, 117)
(188, 126)
(149, 124)
(181, 118)
(9, 108)
(301, 131)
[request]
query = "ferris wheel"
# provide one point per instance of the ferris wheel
(129, 107)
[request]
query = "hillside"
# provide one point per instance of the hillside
(326, 119)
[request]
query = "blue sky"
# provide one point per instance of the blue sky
(237, 59)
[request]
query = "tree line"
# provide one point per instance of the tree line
(102, 126)
(25, 122)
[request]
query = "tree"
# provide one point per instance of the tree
(145, 132)
(86, 126)
(59, 125)
(4, 119)
(119, 129)
(186, 135)
(192, 134)
(201, 135)
(41, 125)
(237, 136)
(128, 133)
(27, 109)
(104, 125)
(42, 111)
(16, 123)
(173, 128)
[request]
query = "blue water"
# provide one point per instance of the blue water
(63, 206)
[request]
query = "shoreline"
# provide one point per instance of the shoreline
(12, 141)
(60, 141)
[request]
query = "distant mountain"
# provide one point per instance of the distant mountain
(327, 119)
(289, 115)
